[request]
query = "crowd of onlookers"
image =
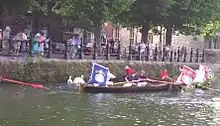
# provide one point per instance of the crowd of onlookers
(19, 42)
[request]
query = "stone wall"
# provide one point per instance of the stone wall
(55, 71)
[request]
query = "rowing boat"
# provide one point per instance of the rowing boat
(132, 89)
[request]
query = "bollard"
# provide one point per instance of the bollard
(119, 51)
(94, 51)
(49, 52)
(171, 56)
(107, 56)
(178, 54)
(203, 56)
(191, 55)
(197, 55)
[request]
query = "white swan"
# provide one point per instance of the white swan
(69, 81)
(79, 80)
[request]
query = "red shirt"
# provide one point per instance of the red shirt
(164, 74)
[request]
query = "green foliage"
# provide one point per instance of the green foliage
(209, 30)
(91, 13)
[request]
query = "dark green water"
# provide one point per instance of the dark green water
(22, 106)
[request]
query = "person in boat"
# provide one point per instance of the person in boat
(131, 77)
(165, 76)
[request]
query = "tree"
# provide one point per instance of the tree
(92, 14)
(146, 14)
(188, 15)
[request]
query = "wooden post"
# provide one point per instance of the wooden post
(119, 51)
(191, 55)
(94, 51)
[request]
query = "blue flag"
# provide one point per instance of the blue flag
(99, 74)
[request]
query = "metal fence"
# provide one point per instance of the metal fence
(62, 51)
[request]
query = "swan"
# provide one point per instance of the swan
(70, 81)
(79, 80)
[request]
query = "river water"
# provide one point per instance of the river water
(22, 106)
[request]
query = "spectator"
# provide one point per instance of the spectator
(6, 38)
(75, 45)
(42, 42)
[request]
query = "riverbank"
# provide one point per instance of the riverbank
(57, 71)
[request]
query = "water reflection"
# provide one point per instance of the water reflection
(25, 106)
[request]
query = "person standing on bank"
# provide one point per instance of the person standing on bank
(6, 39)
(75, 45)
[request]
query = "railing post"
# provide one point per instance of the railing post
(125, 52)
(94, 51)
(163, 54)
(66, 50)
(81, 50)
(107, 56)
(130, 51)
(175, 55)
(30, 46)
(178, 54)
(49, 53)
(197, 55)
(203, 56)
(184, 55)
(139, 53)
(147, 53)
(155, 53)
(119, 51)
(171, 55)
(191, 55)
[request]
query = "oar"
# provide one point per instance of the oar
(24, 83)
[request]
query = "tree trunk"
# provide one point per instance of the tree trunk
(169, 35)
(144, 32)
(97, 35)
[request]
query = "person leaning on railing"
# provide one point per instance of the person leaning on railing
(75, 45)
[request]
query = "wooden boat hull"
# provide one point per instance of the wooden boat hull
(120, 89)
